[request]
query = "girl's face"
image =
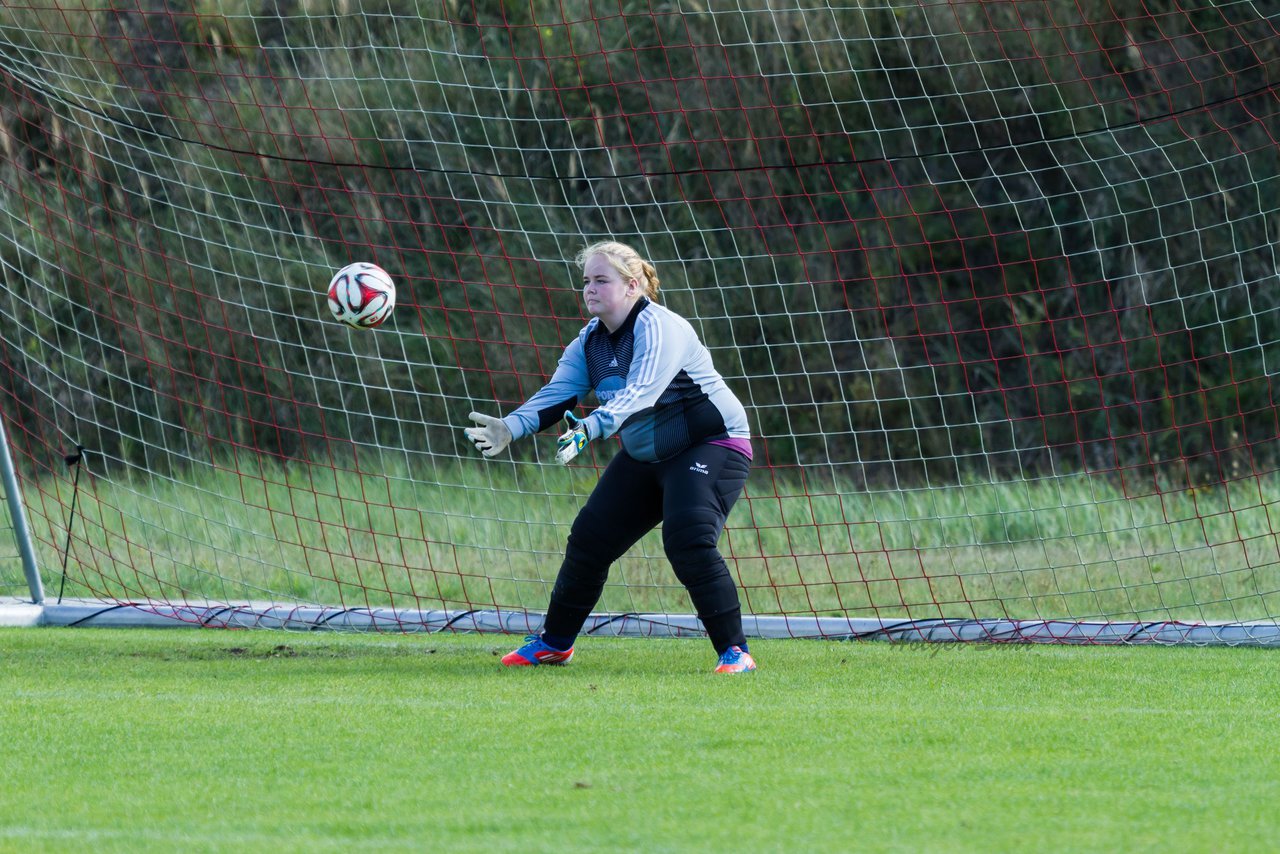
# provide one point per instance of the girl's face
(607, 294)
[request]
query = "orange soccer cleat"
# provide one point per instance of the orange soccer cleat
(735, 659)
(535, 652)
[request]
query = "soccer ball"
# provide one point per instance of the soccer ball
(362, 295)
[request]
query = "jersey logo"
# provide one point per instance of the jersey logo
(700, 468)
(614, 363)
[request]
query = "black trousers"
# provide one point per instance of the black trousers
(691, 494)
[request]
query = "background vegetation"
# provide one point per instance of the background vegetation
(924, 240)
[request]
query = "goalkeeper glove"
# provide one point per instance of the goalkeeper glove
(491, 437)
(572, 441)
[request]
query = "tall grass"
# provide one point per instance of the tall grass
(425, 533)
(12, 581)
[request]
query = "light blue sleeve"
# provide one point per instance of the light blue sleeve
(569, 382)
(660, 345)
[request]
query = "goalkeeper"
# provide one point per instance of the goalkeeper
(685, 454)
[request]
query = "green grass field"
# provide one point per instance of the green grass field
(217, 740)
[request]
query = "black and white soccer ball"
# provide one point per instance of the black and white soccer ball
(362, 295)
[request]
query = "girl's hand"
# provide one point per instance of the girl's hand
(491, 437)
(572, 441)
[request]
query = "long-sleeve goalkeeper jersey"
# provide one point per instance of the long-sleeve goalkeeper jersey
(654, 382)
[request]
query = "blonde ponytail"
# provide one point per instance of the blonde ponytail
(649, 280)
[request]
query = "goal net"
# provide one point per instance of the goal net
(996, 282)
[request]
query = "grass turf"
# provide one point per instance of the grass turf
(217, 740)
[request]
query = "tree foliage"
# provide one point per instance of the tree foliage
(923, 240)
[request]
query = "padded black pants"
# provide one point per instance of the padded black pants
(691, 494)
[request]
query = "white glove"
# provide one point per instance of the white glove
(571, 441)
(491, 437)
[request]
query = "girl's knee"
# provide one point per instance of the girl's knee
(691, 532)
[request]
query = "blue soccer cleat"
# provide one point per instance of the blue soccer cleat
(735, 659)
(535, 652)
